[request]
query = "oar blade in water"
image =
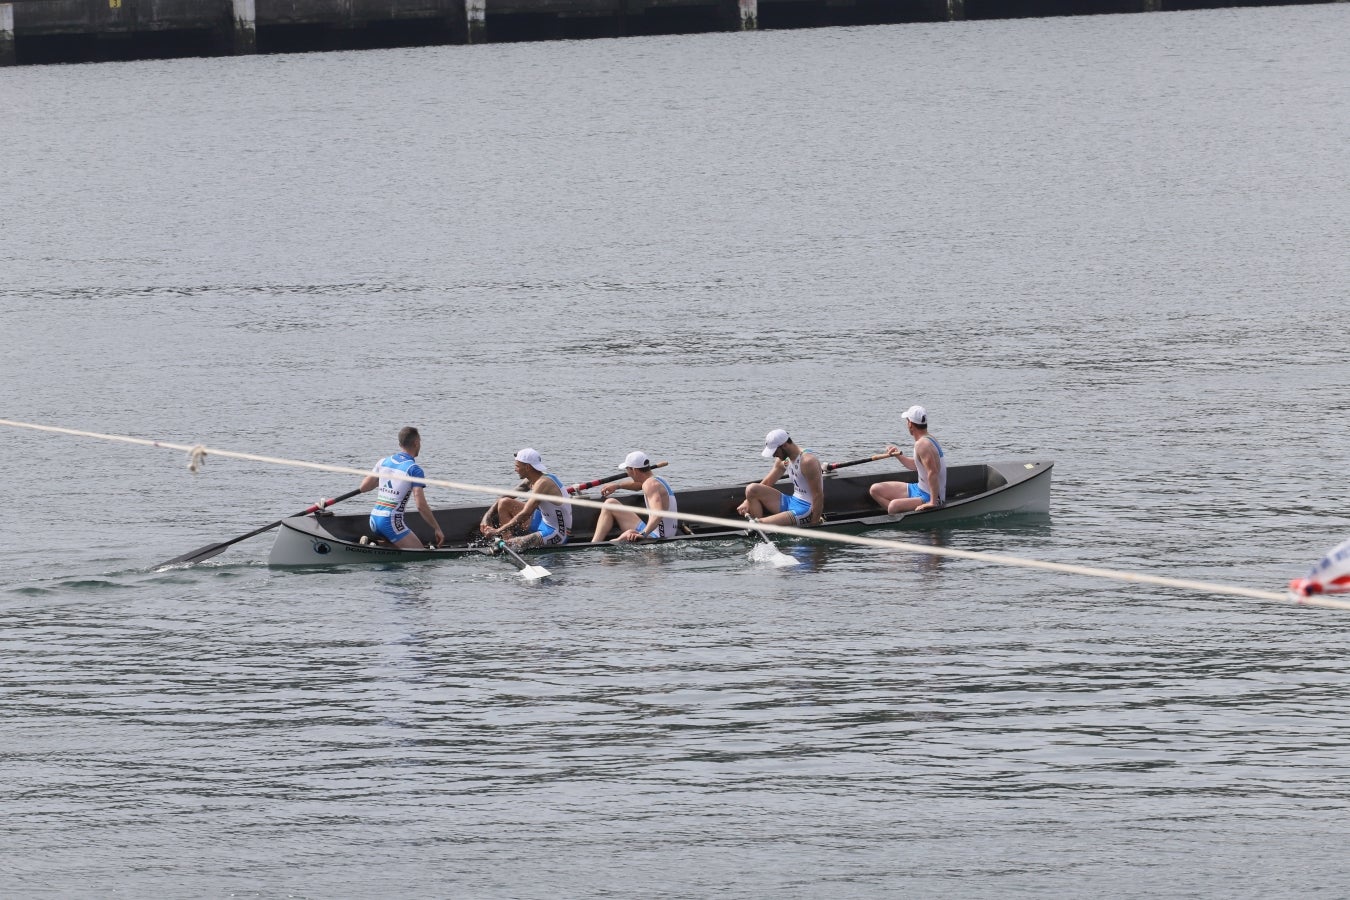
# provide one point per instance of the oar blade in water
(764, 552)
(527, 571)
(767, 550)
(196, 556)
(210, 550)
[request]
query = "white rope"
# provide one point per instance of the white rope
(198, 453)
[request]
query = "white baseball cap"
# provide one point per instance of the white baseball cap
(916, 414)
(637, 460)
(773, 440)
(530, 457)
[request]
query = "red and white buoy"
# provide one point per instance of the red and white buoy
(1331, 574)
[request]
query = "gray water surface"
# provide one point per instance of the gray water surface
(1116, 242)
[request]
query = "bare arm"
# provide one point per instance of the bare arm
(925, 454)
(656, 503)
(544, 485)
(816, 478)
(629, 485)
(424, 508)
(907, 462)
(775, 474)
(369, 483)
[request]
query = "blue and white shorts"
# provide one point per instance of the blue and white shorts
(552, 537)
(548, 535)
(800, 509)
(391, 528)
(916, 491)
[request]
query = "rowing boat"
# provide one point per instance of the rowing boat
(975, 493)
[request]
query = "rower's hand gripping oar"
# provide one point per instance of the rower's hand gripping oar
(211, 550)
(527, 571)
(775, 556)
(585, 485)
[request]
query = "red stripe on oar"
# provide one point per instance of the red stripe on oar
(855, 462)
(607, 479)
(584, 485)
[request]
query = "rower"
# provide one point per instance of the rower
(928, 460)
(657, 494)
(765, 503)
(540, 522)
(395, 475)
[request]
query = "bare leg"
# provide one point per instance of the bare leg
(782, 518)
(614, 513)
(759, 500)
(410, 541)
(894, 496)
(490, 518)
(505, 508)
(526, 541)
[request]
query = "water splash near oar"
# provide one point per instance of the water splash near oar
(767, 551)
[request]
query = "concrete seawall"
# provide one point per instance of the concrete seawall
(42, 31)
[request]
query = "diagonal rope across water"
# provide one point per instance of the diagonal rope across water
(197, 454)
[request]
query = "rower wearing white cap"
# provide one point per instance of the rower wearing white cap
(765, 503)
(655, 491)
(549, 522)
(928, 460)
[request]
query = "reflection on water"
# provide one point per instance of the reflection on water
(409, 585)
(811, 556)
(926, 564)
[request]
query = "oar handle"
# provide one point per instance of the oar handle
(329, 501)
(578, 488)
(857, 462)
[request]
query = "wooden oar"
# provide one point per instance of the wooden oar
(211, 550)
(527, 571)
(586, 485)
(857, 462)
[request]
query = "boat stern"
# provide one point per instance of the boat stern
(303, 541)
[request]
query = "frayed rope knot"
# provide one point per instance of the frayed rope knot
(196, 458)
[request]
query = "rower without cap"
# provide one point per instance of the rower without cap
(658, 496)
(765, 503)
(397, 477)
(928, 460)
(543, 521)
